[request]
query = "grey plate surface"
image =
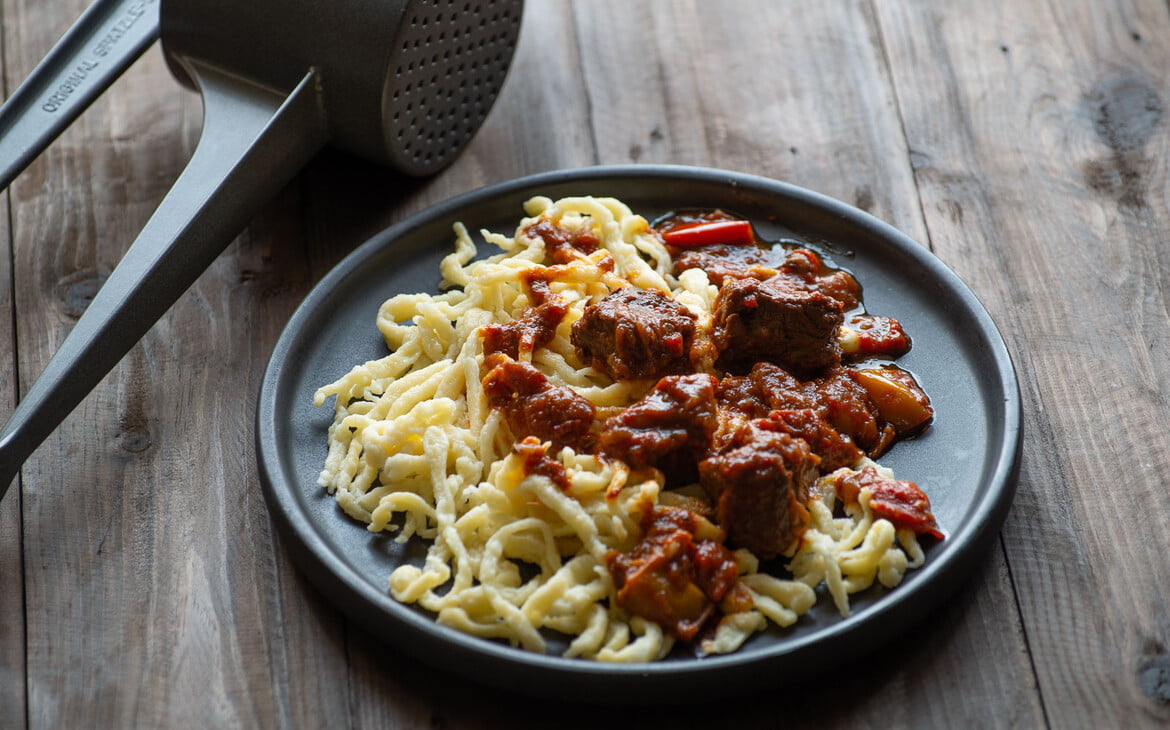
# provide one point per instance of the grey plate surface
(966, 461)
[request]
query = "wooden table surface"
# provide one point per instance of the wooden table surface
(1025, 143)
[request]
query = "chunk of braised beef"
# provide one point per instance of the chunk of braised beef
(834, 449)
(563, 244)
(635, 333)
(767, 387)
(534, 406)
(669, 428)
(771, 392)
(722, 262)
(846, 405)
(760, 485)
(807, 266)
(777, 320)
(837, 397)
(677, 572)
(738, 395)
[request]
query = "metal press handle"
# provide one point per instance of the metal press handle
(104, 41)
(254, 140)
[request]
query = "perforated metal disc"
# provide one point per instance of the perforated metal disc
(452, 59)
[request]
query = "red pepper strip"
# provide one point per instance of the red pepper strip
(904, 505)
(733, 232)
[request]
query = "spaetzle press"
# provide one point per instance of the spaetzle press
(403, 82)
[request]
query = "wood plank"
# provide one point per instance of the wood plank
(12, 674)
(1039, 144)
(13, 638)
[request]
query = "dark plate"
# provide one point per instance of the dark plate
(966, 461)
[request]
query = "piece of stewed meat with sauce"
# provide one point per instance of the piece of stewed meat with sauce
(721, 255)
(869, 408)
(534, 328)
(777, 320)
(806, 266)
(669, 428)
(769, 391)
(677, 572)
(834, 449)
(725, 261)
(635, 333)
(562, 244)
(534, 406)
(760, 485)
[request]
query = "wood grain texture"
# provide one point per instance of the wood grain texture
(12, 629)
(800, 94)
(12, 669)
(142, 583)
(1054, 208)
